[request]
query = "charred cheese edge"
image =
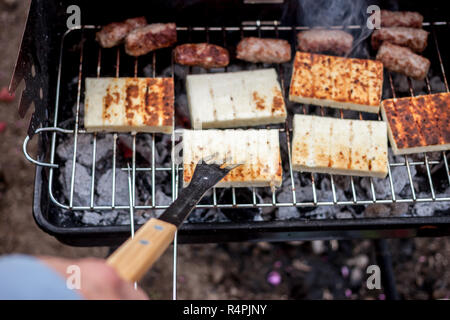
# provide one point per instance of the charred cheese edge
(129, 105)
(235, 99)
(258, 152)
(418, 124)
(339, 146)
(337, 82)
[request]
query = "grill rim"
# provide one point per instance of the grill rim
(196, 231)
(250, 231)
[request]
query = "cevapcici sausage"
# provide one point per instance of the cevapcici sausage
(202, 54)
(415, 39)
(264, 50)
(319, 40)
(401, 19)
(114, 33)
(152, 37)
(403, 60)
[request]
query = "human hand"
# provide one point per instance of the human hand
(98, 280)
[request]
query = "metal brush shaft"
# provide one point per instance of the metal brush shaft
(205, 177)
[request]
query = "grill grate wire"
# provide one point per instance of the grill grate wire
(174, 169)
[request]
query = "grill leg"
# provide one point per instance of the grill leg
(384, 261)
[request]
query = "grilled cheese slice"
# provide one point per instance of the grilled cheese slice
(235, 99)
(129, 104)
(418, 124)
(258, 152)
(339, 146)
(337, 82)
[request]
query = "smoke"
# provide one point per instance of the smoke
(333, 13)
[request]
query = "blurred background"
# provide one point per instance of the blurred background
(293, 270)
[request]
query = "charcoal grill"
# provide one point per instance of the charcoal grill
(52, 55)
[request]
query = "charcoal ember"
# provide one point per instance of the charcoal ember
(197, 216)
(285, 196)
(243, 195)
(377, 211)
(91, 218)
(161, 199)
(104, 189)
(142, 217)
(305, 194)
(81, 113)
(401, 84)
(344, 215)
(322, 212)
(81, 193)
(163, 148)
(286, 213)
(437, 84)
(302, 193)
(210, 215)
(148, 71)
(143, 146)
(123, 219)
(399, 208)
(356, 210)
(423, 209)
(326, 192)
(342, 182)
(182, 107)
(94, 218)
(268, 212)
(104, 147)
(382, 187)
(161, 180)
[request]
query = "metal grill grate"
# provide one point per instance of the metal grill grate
(272, 29)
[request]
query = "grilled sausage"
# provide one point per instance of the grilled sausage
(415, 39)
(403, 60)
(318, 40)
(401, 19)
(264, 50)
(114, 33)
(149, 38)
(202, 54)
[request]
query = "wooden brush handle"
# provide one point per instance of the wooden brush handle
(137, 255)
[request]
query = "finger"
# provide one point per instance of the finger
(128, 292)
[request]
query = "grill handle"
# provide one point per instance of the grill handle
(132, 260)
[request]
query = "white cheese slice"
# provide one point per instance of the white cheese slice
(129, 104)
(258, 152)
(235, 99)
(339, 146)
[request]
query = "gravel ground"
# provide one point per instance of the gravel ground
(295, 270)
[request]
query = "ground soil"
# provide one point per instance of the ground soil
(296, 270)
